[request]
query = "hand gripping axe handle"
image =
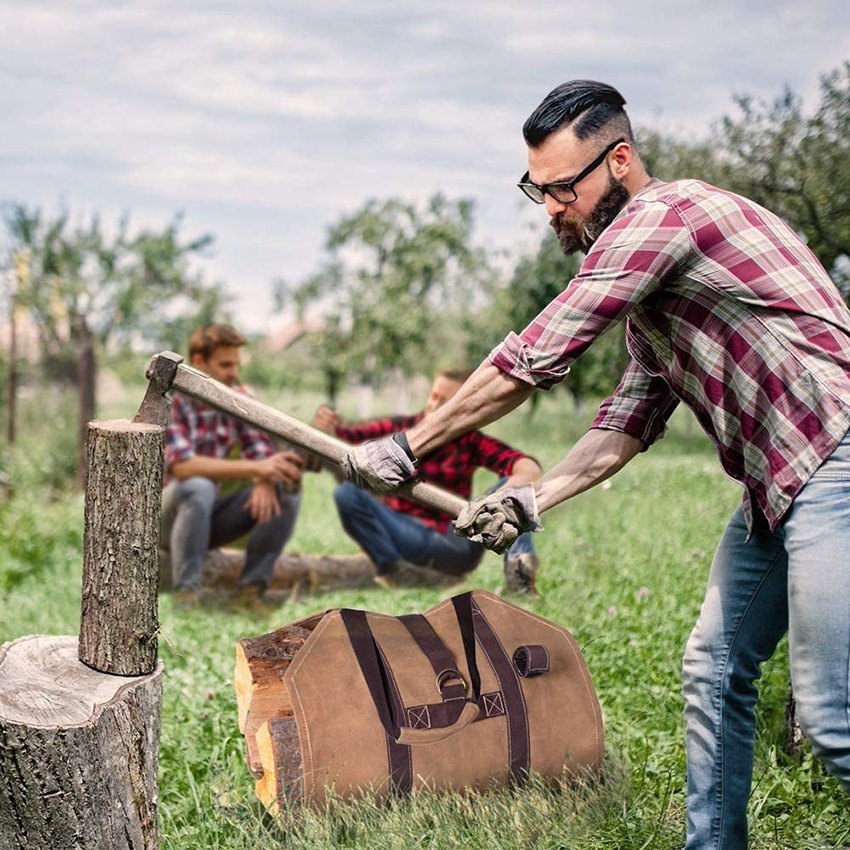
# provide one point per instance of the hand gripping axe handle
(167, 371)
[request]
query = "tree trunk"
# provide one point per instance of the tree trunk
(119, 623)
(222, 568)
(78, 751)
(86, 381)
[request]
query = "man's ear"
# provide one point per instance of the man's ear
(197, 360)
(621, 160)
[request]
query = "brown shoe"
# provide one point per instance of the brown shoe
(520, 573)
(248, 599)
(187, 598)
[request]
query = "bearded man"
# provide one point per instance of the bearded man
(728, 311)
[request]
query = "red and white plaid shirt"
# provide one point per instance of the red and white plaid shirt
(728, 311)
(196, 429)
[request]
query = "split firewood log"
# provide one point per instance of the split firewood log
(261, 694)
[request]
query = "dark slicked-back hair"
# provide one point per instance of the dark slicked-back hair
(588, 107)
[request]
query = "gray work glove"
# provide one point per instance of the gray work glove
(497, 519)
(380, 465)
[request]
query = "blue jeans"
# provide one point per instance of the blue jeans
(196, 518)
(387, 536)
(795, 579)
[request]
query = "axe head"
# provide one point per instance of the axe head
(160, 374)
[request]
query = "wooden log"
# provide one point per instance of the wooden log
(222, 568)
(119, 623)
(78, 751)
(261, 694)
(280, 756)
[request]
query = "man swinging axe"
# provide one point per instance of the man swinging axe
(728, 311)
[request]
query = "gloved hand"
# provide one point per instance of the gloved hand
(381, 465)
(497, 519)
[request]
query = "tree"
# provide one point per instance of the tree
(89, 287)
(392, 273)
(795, 163)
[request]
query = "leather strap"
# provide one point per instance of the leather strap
(519, 746)
(442, 661)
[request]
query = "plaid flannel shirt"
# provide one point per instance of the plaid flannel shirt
(451, 466)
(196, 429)
(728, 311)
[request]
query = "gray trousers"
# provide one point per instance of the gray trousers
(196, 518)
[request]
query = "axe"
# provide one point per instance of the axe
(167, 371)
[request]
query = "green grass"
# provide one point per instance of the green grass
(624, 568)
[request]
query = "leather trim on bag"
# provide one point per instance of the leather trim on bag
(519, 745)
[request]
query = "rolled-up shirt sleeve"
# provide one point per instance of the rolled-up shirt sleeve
(636, 255)
(640, 406)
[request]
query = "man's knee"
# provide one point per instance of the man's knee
(349, 498)
(197, 490)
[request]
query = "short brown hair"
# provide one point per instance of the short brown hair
(459, 376)
(207, 338)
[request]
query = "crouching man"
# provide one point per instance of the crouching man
(408, 542)
(196, 516)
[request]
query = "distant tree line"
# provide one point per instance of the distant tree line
(404, 289)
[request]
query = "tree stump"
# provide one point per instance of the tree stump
(222, 568)
(78, 751)
(79, 716)
(119, 623)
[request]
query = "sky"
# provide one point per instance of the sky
(264, 122)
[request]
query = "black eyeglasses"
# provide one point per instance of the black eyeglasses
(563, 191)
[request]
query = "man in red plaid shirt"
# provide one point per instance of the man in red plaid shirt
(728, 311)
(196, 516)
(411, 543)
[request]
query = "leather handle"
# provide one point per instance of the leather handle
(372, 667)
(415, 737)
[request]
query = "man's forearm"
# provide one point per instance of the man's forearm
(525, 471)
(218, 469)
(486, 396)
(595, 457)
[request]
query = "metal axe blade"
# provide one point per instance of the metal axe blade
(160, 373)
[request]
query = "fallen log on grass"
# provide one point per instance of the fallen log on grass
(222, 568)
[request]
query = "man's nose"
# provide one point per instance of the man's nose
(553, 206)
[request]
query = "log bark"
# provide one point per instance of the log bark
(78, 751)
(281, 784)
(261, 694)
(222, 568)
(119, 623)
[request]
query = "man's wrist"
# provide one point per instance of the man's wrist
(400, 438)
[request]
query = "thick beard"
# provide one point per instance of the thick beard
(574, 236)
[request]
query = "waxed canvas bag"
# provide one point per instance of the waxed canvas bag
(473, 692)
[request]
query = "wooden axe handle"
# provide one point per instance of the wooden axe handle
(198, 385)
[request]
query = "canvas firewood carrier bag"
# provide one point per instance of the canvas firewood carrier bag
(473, 692)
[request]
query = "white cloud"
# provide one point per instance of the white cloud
(264, 120)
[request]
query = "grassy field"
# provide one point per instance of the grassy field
(624, 567)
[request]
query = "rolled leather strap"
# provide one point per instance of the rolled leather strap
(531, 660)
